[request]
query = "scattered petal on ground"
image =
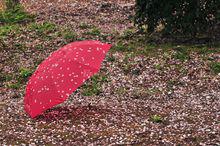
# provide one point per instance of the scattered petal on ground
(145, 100)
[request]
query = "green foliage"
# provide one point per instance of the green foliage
(156, 118)
(14, 13)
(93, 87)
(215, 67)
(178, 16)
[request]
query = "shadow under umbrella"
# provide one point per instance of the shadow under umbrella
(72, 113)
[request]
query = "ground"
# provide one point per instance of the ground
(144, 94)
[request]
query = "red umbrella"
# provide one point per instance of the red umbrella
(62, 73)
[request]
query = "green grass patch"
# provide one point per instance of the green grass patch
(158, 66)
(5, 77)
(123, 48)
(25, 73)
(121, 91)
(181, 56)
(39, 47)
(14, 85)
(127, 65)
(215, 67)
(20, 46)
(43, 28)
(138, 46)
(156, 119)
(127, 34)
(93, 87)
(5, 30)
(69, 35)
(182, 53)
(110, 58)
(84, 26)
(15, 15)
(94, 32)
(142, 92)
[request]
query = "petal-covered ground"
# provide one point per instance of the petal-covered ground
(161, 95)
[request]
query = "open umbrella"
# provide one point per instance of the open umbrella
(62, 73)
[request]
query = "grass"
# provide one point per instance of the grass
(39, 47)
(127, 65)
(182, 56)
(94, 32)
(14, 85)
(139, 45)
(142, 92)
(25, 73)
(182, 53)
(208, 50)
(84, 26)
(127, 34)
(156, 119)
(121, 91)
(93, 87)
(15, 15)
(158, 67)
(215, 67)
(123, 48)
(43, 28)
(69, 35)
(128, 42)
(5, 30)
(5, 77)
(110, 58)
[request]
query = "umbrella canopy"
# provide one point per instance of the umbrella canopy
(62, 73)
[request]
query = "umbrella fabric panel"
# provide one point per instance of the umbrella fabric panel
(41, 97)
(91, 56)
(62, 73)
(54, 89)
